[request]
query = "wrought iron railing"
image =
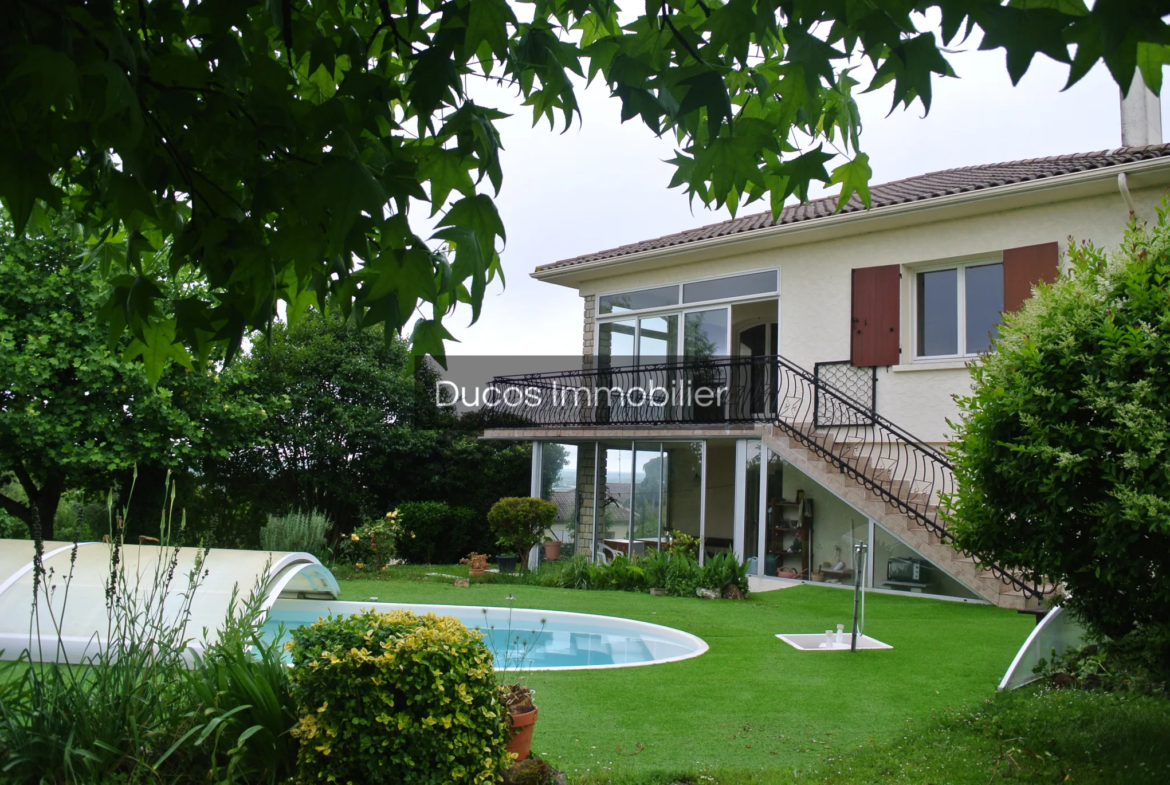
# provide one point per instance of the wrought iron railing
(898, 467)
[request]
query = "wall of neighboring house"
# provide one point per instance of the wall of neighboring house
(815, 285)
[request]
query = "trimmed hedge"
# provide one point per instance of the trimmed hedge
(437, 533)
(396, 698)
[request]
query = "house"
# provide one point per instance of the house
(782, 389)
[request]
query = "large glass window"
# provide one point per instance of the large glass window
(705, 334)
(984, 301)
(559, 484)
(938, 313)
(898, 567)
(958, 310)
(617, 343)
(648, 492)
(733, 286)
(657, 339)
(613, 518)
(638, 301)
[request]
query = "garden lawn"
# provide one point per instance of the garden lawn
(751, 703)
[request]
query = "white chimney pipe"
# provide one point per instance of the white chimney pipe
(1141, 115)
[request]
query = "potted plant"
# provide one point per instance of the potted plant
(522, 713)
(476, 564)
(552, 548)
(519, 523)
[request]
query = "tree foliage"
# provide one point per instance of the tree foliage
(1061, 458)
(353, 431)
(74, 414)
(276, 148)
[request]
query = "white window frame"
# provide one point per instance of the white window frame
(682, 309)
(961, 309)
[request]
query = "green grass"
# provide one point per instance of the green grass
(751, 705)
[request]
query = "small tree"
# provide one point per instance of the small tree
(520, 522)
(1061, 458)
(74, 410)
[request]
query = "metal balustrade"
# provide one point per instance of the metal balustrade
(901, 469)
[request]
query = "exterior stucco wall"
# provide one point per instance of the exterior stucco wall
(815, 284)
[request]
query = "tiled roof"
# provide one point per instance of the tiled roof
(912, 189)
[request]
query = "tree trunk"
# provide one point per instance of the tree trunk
(47, 501)
(44, 500)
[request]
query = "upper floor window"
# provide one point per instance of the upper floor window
(730, 287)
(642, 300)
(958, 309)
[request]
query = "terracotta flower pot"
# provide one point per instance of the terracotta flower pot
(522, 726)
(552, 550)
(475, 573)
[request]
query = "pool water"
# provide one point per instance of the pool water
(525, 639)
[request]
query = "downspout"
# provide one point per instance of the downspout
(1123, 186)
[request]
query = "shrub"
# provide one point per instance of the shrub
(398, 698)
(575, 573)
(683, 543)
(437, 533)
(655, 567)
(297, 531)
(1060, 459)
(1137, 662)
(683, 576)
(245, 712)
(520, 522)
(723, 570)
(374, 543)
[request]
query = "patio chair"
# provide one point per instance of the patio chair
(606, 554)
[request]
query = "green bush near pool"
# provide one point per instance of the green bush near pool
(396, 697)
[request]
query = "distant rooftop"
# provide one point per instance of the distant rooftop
(912, 189)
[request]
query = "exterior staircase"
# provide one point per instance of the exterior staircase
(907, 527)
(883, 471)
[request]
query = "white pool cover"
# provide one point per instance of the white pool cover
(76, 598)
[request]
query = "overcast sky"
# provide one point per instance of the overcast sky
(604, 183)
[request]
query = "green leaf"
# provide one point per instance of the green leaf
(802, 170)
(156, 348)
(487, 22)
(478, 213)
(854, 178)
(1150, 60)
(469, 263)
(1024, 32)
(910, 67)
(707, 91)
(447, 170)
(428, 337)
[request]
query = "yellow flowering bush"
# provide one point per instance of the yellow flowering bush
(396, 698)
(375, 542)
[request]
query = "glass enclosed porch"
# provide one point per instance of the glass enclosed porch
(630, 497)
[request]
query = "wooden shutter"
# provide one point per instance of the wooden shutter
(876, 316)
(1025, 267)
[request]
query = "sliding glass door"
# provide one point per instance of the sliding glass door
(650, 492)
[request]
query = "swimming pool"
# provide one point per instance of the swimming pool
(526, 639)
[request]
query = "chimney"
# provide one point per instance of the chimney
(1141, 115)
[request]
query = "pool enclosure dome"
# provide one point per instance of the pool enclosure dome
(77, 576)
